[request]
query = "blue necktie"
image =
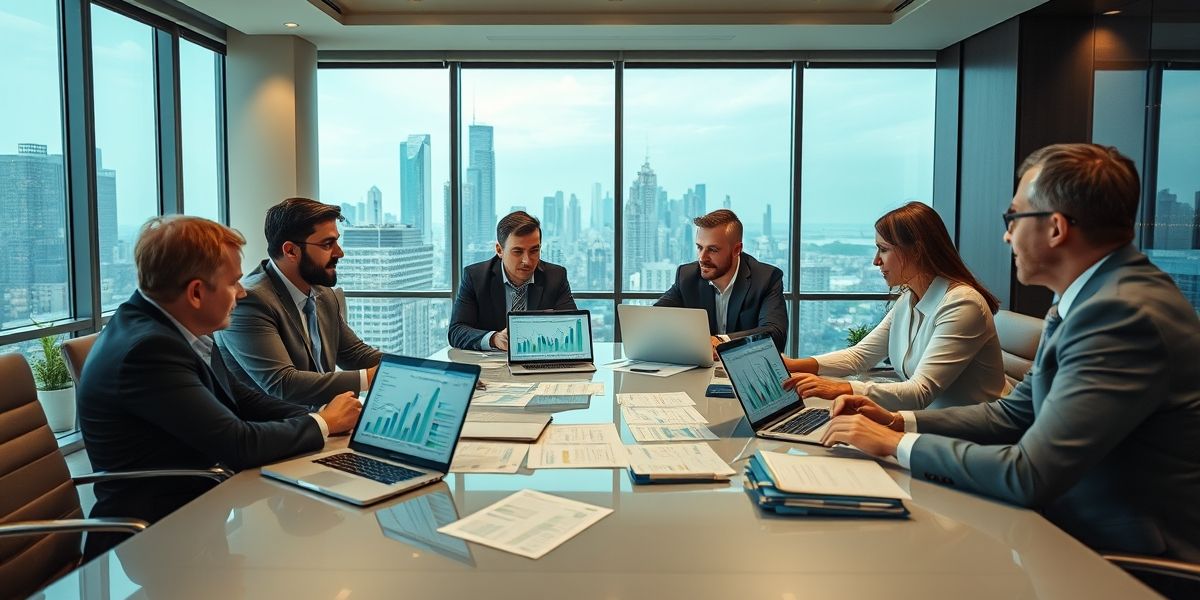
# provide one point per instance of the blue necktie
(314, 332)
(1053, 320)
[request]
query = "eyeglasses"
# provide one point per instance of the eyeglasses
(326, 245)
(1011, 216)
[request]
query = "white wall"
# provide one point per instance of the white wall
(271, 103)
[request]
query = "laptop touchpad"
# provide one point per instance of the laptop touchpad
(330, 479)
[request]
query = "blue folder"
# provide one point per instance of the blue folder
(760, 486)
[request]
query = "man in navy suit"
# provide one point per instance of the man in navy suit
(155, 395)
(1098, 435)
(515, 279)
(742, 296)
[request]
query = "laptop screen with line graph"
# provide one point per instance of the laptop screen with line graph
(757, 372)
(563, 336)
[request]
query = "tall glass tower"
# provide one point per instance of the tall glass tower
(416, 185)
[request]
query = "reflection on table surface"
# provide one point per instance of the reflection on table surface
(253, 537)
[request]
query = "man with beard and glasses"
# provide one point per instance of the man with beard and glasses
(287, 336)
(743, 297)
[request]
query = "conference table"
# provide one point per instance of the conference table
(251, 537)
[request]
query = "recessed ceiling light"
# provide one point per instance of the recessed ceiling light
(291, 25)
(1111, 12)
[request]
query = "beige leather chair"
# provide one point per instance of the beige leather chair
(1019, 335)
(75, 351)
(41, 522)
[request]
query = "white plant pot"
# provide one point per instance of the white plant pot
(59, 406)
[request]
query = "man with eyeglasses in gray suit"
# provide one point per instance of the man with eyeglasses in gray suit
(1099, 434)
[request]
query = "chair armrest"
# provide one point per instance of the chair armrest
(217, 474)
(1156, 564)
(109, 524)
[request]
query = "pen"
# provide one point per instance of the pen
(641, 370)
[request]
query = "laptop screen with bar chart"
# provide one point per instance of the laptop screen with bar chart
(560, 336)
(757, 372)
(415, 411)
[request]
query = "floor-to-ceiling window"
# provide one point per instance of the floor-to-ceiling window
(1173, 240)
(690, 138)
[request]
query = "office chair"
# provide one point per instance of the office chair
(42, 523)
(1019, 335)
(1171, 578)
(74, 352)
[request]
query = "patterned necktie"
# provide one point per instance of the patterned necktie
(1052, 323)
(519, 298)
(314, 332)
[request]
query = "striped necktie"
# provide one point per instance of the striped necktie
(520, 301)
(1053, 320)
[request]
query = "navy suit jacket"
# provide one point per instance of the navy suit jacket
(755, 305)
(480, 306)
(147, 401)
(1099, 433)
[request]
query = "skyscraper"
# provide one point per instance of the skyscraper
(641, 227)
(416, 185)
(479, 206)
(350, 212)
(1173, 222)
(549, 215)
(374, 206)
(574, 220)
(390, 258)
(728, 203)
(766, 229)
(33, 275)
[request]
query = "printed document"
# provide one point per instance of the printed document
(656, 399)
(509, 395)
(653, 369)
(830, 476)
(569, 388)
(579, 447)
(488, 457)
(678, 461)
(527, 523)
(677, 415)
(671, 433)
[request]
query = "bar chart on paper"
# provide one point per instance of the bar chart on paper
(550, 337)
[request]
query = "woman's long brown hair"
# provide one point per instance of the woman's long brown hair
(919, 232)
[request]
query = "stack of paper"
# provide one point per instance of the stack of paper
(488, 457)
(505, 395)
(677, 463)
(656, 399)
(674, 415)
(821, 485)
(569, 388)
(579, 447)
(504, 424)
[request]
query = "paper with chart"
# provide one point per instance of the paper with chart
(671, 433)
(569, 388)
(678, 461)
(488, 457)
(831, 476)
(676, 415)
(578, 447)
(656, 399)
(527, 523)
(511, 395)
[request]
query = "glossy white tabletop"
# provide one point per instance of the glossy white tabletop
(255, 538)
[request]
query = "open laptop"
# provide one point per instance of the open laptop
(663, 334)
(550, 342)
(405, 437)
(757, 373)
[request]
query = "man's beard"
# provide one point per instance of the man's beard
(315, 274)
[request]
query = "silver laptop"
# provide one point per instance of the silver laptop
(405, 437)
(663, 334)
(550, 342)
(757, 373)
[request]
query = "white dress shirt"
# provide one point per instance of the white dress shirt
(203, 346)
(722, 299)
(510, 294)
(904, 449)
(944, 348)
(300, 298)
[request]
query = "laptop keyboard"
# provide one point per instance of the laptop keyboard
(805, 422)
(376, 470)
(557, 365)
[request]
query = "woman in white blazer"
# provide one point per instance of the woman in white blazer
(939, 334)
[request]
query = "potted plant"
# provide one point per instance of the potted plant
(54, 387)
(855, 334)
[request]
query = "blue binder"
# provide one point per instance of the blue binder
(760, 486)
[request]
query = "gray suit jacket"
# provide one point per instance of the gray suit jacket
(266, 345)
(1099, 434)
